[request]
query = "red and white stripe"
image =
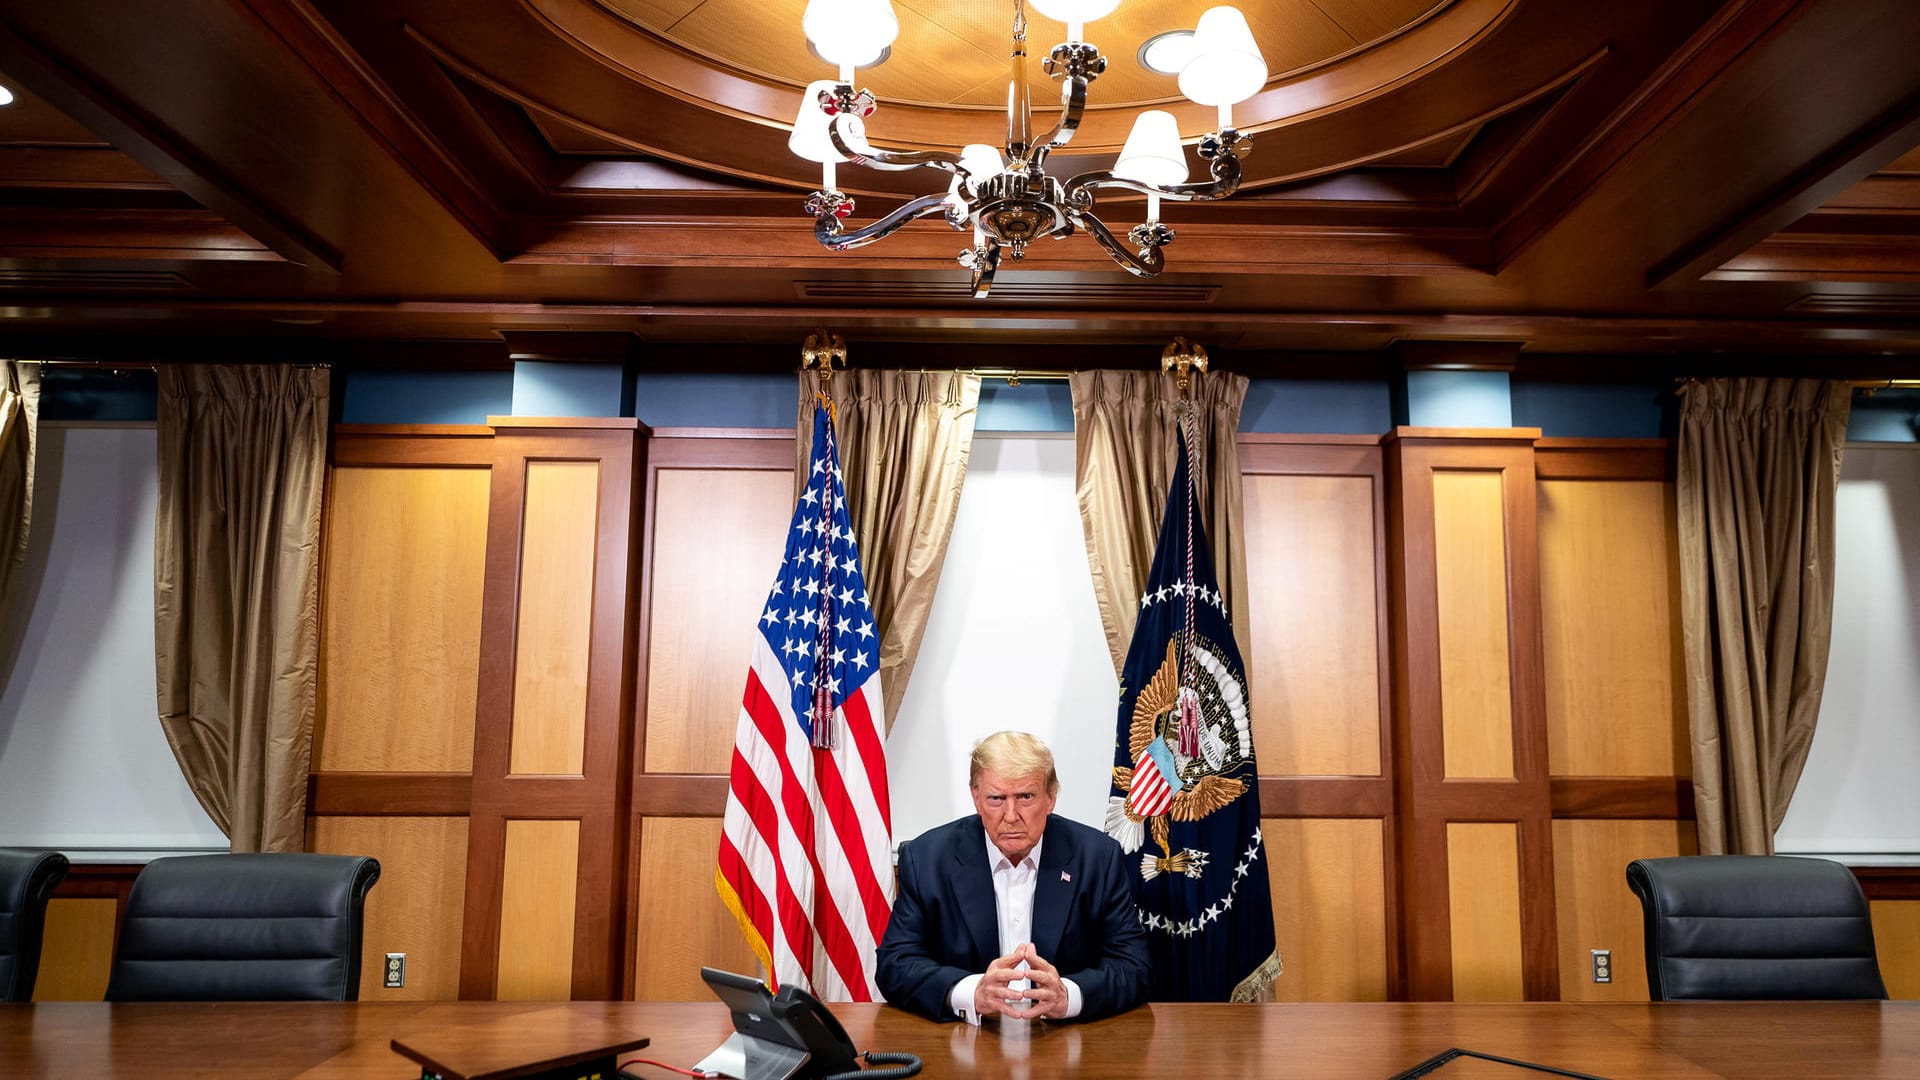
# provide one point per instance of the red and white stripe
(1149, 794)
(805, 853)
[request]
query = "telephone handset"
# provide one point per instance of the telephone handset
(790, 1036)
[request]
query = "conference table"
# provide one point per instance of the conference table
(1376, 1041)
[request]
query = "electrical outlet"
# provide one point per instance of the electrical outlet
(1602, 965)
(396, 970)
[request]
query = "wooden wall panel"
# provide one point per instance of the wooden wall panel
(417, 905)
(1896, 937)
(1329, 907)
(1595, 908)
(538, 887)
(718, 535)
(554, 617)
(76, 950)
(1313, 611)
(682, 925)
(1483, 874)
(1609, 586)
(405, 562)
(1476, 698)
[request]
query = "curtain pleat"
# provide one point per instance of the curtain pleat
(242, 457)
(19, 447)
(1124, 423)
(1759, 465)
(904, 437)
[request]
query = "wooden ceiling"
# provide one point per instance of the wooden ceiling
(1640, 183)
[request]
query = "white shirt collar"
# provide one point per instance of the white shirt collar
(997, 858)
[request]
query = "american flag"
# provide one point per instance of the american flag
(1155, 780)
(805, 863)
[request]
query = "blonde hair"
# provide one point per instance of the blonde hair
(1011, 754)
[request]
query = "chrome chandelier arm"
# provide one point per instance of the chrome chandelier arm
(1073, 104)
(1147, 262)
(826, 220)
(1225, 168)
(849, 136)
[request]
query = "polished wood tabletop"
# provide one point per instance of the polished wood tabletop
(339, 1042)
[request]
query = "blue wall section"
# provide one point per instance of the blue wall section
(1469, 399)
(1316, 407)
(70, 393)
(1593, 411)
(546, 388)
(1887, 416)
(754, 401)
(1034, 405)
(425, 397)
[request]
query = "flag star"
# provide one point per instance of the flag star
(769, 618)
(842, 625)
(811, 587)
(865, 631)
(833, 685)
(819, 465)
(860, 661)
(839, 657)
(846, 595)
(812, 496)
(807, 617)
(1161, 596)
(1179, 588)
(779, 584)
(1145, 601)
(791, 616)
(1240, 871)
(848, 566)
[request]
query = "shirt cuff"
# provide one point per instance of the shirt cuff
(1073, 997)
(961, 999)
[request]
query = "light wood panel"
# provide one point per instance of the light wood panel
(1609, 581)
(718, 535)
(1470, 560)
(555, 617)
(405, 567)
(682, 925)
(536, 911)
(1595, 908)
(1483, 900)
(416, 906)
(1896, 937)
(1313, 652)
(76, 950)
(1329, 908)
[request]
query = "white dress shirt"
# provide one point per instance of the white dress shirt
(1013, 888)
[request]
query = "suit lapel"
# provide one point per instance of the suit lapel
(1053, 892)
(973, 882)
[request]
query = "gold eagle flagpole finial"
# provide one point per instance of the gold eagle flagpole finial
(1183, 358)
(819, 353)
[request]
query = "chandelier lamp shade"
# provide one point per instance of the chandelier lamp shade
(1004, 195)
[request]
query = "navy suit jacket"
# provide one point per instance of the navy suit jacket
(945, 925)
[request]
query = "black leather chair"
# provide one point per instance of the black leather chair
(1755, 927)
(243, 928)
(27, 879)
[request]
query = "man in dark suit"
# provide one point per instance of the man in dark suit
(1014, 912)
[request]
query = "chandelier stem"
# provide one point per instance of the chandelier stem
(1019, 98)
(1226, 117)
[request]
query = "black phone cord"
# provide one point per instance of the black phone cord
(904, 1065)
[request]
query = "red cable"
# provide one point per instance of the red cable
(669, 1068)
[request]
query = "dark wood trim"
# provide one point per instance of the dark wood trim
(411, 445)
(96, 881)
(769, 434)
(413, 430)
(389, 794)
(1265, 438)
(1602, 459)
(564, 423)
(1882, 882)
(667, 452)
(1622, 797)
(679, 795)
(1326, 797)
(1452, 437)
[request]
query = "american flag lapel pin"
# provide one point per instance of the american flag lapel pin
(1066, 877)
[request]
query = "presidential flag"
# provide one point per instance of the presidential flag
(1185, 795)
(805, 863)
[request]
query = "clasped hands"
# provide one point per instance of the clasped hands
(996, 994)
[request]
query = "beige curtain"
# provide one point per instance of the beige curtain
(1124, 456)
(1759, 461)
(236, 589)
(19, 444)
(904, 437)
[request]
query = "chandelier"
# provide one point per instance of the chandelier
(1008, 200)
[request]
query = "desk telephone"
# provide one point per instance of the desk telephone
(790, 1036)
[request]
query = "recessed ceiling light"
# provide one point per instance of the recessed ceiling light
(6, 97)
(1167, 53)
